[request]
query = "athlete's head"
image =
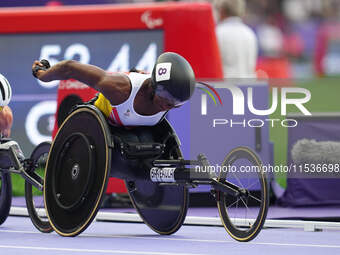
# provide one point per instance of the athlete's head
(173, 78)
(229, 8)
(5, 91)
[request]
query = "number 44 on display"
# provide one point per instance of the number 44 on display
(120, 62)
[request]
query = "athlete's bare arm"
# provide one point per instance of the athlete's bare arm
(6, 121)
(115, 87)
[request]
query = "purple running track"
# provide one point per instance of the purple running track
(18, 236)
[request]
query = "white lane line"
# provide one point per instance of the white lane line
(205, 221)
(94, 251)
(20, 231)
(299, 245)
(189, 240)
(217, 241)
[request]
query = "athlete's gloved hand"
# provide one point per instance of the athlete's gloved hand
(42, 65)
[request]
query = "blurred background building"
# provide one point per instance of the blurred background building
(291, 33)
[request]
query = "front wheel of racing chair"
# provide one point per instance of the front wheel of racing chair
(34, 197)
(243, 215)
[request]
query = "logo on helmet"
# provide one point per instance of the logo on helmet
(163, 71)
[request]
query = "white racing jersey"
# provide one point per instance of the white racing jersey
(124, 114)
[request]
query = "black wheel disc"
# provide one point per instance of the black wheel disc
(162, 207)
(77, 171)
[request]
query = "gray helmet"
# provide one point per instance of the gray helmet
(173, 78)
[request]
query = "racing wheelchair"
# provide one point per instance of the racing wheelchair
(87, 151)
(32, 169)
(73, 172)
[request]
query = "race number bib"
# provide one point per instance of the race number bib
(163, 71)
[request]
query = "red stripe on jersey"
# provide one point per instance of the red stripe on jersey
(115, 112)
(112, 119)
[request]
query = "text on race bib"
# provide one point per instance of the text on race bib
(163, 71)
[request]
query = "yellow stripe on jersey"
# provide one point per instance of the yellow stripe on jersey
(103, 104)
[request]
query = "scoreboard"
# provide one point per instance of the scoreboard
(114, 37)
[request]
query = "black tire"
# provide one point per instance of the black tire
(163, 208)
(253, 206)
(5, 196)
(82, 147)
(66, 106)
(35, 210)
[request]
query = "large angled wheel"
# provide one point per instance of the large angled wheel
(77, 171)
(34, 197)
(162, 207)
(244, 215)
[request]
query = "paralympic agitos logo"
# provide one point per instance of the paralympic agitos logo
(288, 96)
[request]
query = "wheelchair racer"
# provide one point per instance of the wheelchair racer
(6, 116)
(130, 99)
(6, 121)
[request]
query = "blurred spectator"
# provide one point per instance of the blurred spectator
(270, 40)
(237, 41)
(272, 61)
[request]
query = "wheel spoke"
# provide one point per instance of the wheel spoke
(246, 211)
(252, 185)
(255, 198)
(232, 204)
(244, 203)
(238, 180)
(236, 210)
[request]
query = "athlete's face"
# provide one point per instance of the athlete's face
(163, 103)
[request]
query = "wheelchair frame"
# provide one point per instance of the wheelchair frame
(15, 163)
(141, 165)
(166, 177)
(23, 167)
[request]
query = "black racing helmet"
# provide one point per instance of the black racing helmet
(173, 78)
